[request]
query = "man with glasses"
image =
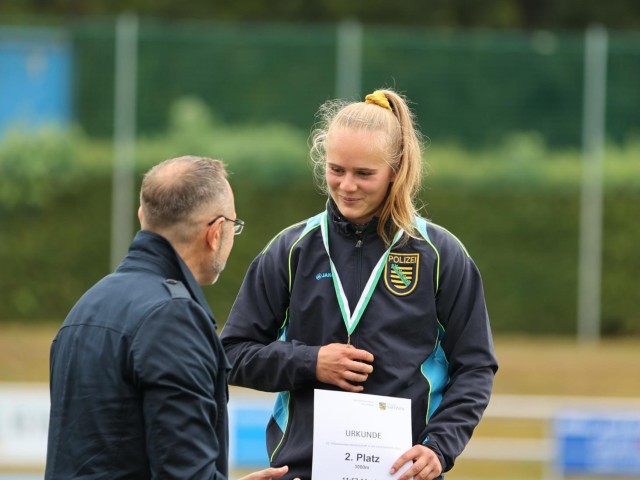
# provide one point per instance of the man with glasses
(138, 374)
(238, 225)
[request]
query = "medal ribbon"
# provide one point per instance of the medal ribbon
(351, 319)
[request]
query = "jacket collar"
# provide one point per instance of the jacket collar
(152, 252)
(345, 226)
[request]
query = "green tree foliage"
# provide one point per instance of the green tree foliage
(527, 14)
(34, 166)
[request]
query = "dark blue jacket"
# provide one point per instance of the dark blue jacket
(139, 376)
(426, 326)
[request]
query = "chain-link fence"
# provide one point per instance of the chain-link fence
(473, 87)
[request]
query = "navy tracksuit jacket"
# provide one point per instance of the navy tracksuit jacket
(426, 325)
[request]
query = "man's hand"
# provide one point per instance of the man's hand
(343, 365)
(268, 474)
(426, 465)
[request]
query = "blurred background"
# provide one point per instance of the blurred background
(531, 114)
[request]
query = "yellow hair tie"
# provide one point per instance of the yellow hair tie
(378, 98)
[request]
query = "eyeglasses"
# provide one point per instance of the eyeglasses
(238, 225)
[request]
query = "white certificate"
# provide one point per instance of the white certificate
(357, 436)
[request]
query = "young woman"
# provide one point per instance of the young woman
(366, 296)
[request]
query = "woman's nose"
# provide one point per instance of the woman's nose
(348, 183)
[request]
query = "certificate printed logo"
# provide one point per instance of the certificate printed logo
(401, 272)
(390, 406)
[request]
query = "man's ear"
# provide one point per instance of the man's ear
(213, 234)
(140, 215)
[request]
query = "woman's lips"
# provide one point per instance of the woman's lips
(349, 200)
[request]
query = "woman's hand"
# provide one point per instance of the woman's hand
(268, 474)
(343, 365)
(426, 465)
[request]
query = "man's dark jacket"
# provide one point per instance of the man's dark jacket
(139, 376)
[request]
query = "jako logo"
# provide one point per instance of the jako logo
(320, 276)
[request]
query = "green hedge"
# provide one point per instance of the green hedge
(516, 209)
(524, 243)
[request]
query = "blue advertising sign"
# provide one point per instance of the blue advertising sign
(247, 434)
(35, 78)
(598, 443)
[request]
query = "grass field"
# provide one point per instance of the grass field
(528, 366)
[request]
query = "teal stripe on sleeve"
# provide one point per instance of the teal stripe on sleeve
(436, 370)
(281, 410)
(281, 416)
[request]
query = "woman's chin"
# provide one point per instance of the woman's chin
(355, 216)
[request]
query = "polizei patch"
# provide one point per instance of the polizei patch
(401, 272)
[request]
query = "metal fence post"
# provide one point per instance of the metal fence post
(122, 197)
(591, 209)
(349, 60)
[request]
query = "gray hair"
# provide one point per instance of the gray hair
(176, 191)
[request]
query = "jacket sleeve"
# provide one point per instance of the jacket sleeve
(468, 347)
(254, 336)
(177, 364)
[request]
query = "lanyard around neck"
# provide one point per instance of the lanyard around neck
(351, 319)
